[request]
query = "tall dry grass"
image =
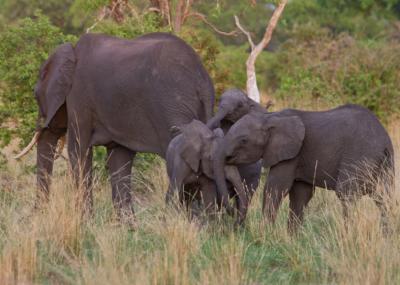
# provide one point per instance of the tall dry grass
(55, 246)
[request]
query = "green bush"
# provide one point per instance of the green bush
(23, 48)
(340, 70)
(58, 12)
(208, 47)
(131, 27)
(359, 18)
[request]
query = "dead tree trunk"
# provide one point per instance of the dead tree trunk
(251, 85)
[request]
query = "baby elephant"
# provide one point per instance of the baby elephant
(189, 165)
(344, 149)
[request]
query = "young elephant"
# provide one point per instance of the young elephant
(189, 166)
(334, 149)
(233, 105)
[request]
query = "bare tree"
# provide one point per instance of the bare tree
(176, 15)
(251, 85)
(116, 10)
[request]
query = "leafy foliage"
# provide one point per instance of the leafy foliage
(23, 48)
(131, 27)
(323, 51)
(57, 11)
(208, 48)
(340, 70)
(360, 18)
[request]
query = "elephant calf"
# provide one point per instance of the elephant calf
(344, 149)
(189, 164)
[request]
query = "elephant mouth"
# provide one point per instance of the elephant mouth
(230, 159)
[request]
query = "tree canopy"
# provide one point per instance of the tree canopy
(332, 51)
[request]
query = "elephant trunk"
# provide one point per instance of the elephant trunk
(45, 158)
(214, 122)
(256, 107)
(219, 173)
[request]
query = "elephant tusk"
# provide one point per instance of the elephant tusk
(29, 146)
(60, 147)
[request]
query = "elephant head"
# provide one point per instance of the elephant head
(233, 105)
(198, 146)
(54, 83)
(272, 137)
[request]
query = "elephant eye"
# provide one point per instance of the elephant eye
(240, 104)
(243, 140)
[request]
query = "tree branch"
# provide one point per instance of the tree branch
(251, 84)
(271, 25)
(244, 32)
(204, 19)
(100, 17)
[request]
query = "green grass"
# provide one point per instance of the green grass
(54, 246)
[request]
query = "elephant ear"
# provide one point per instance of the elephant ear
(210, 145)
(285, 139)
(191, 151)
(58, 72)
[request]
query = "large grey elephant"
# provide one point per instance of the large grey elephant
(190, 158)
(344, 149)
(122, 94)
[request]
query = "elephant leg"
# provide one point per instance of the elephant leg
(232, 174)
(346, 191)
(208, 193)
(177, 180)
(299, 195)
(382, 204)
(383, 200)
(45, 160)
(347, 202)
(279, 182)
(190, 199)
(80, 157)
(250, 174)
(119, 165)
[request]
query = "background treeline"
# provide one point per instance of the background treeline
(324, 51)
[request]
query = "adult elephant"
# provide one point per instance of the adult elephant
(122, 94)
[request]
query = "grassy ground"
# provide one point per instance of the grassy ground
(55, 247)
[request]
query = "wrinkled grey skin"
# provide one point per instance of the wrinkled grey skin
(189, 159)
(233, 105)
(123, 94)
(329, 149)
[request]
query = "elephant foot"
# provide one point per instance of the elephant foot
(238, 225)
(228, 208)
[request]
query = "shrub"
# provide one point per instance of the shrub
(208, 47)
(131, 27)
(340, 70)
(58, 11)
(23, 48)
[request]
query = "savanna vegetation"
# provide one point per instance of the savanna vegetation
(323, 53)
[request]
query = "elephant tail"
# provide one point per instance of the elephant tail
(207, 96)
